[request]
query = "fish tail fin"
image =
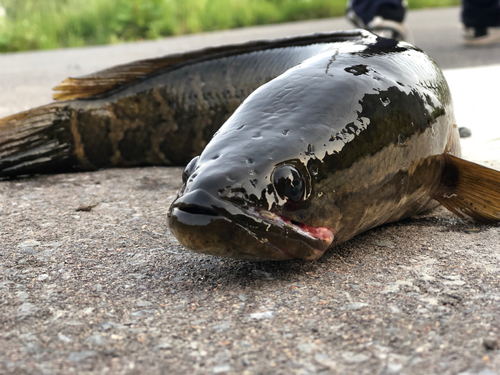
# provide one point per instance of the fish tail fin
(37, 140)
(470, 190)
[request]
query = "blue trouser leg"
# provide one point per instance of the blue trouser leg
(480, 13)
(368, 9)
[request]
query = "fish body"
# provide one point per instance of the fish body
(350, 139)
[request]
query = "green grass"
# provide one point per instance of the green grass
(47, 24)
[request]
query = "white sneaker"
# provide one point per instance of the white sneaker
(389, 29)
(481, 37)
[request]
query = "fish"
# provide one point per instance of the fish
(160, 111)
(292, 145)
(355, 137)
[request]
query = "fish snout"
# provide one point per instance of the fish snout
(209, 225)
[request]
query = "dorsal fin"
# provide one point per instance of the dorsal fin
(110, 79)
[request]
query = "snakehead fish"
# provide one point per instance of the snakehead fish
(354, 137)
(350, 131)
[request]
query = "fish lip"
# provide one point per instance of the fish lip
(262, 225)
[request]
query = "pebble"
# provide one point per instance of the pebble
(29, 243)
(385, 243)
(81, 356)
(221, 368)
(324, 360)
(97, 340)
(62, 337)
(223, 327)
(262, 315)
(23, 296)
(32, 348)
(356, 305)
(464, 132)
(307, 348)
(143, 312)
(491, 343)
(43, 277)
(26, 309)
(164, 345)
(394, 368)
(354, 357)
(107, 326)
(27, 251)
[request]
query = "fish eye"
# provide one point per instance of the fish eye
(289, 183)
(189, 169)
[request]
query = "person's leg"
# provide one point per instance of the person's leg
(382, 17)
(388, 9)
(481, 19)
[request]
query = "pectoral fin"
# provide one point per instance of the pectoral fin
(470, 190)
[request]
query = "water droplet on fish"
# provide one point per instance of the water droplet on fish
(251, 172)
(250, 161)
(215, 157)
(241, 127)
(257, 136)
(285, 132)
(253, 182)
(320, 194)
(314, 170)
(385, 101)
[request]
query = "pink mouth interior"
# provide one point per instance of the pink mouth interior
(321, 233)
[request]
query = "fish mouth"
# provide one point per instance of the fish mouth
(208, 225)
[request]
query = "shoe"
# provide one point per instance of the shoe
(388, 29)
(389, 24)
(481, 36)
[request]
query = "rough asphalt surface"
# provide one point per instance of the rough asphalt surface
(91, 281)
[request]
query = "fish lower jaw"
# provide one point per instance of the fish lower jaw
(316, 233)
(207, 225)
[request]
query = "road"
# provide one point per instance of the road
(109, 291)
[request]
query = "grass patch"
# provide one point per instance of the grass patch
(48, 24)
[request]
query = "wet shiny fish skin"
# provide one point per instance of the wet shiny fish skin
(365, 124)
(162, 117)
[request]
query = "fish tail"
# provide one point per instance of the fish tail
(470, 190)
(35, 141)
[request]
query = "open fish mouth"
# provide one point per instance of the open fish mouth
(209, 225)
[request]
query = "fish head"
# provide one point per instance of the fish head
(225, 209)
(240, 199)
